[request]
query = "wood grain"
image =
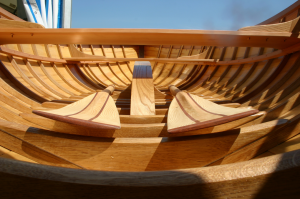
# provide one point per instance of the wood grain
(189, 112)
(142, 90)
(95, 111)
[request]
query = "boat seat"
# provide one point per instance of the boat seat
(97, 110)
(189, 112)
(142, 90)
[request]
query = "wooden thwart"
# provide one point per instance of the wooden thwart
(142, 90)
(189, 112)
(94, 111)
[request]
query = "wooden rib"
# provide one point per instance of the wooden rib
(39, 83)
(180, 72)
(124, 53)
(253, 74)
(290, 68)
(42, 82)
(59, 51)
(117, 76)
(29, 83)
(66, 81)
(14, 91)
(234, 78)
(95, 76)
(76, 53)
(214, 81)
(211, 81)
(84, 76)
(90, 78)
(158, 55)
(113, 50)
(266, 81)
(197, 74)
(105, 75)
(160, 71)
(170, 70)
(13, 101)
(54, 81)
(75, 72)
(29, 56)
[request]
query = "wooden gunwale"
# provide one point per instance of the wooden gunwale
(278, 40)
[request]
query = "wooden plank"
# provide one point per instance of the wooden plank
(12, 136)
(276, 40)
(29, 56)
(290, 145)
(142, 90)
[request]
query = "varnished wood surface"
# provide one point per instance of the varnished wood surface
(35, 77)
(142, 90)
(257, 178)
(189, 112)
(28, 56)
(95, 111)
(147, 37)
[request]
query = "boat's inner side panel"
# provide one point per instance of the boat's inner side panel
(44, 78)
(143, 143)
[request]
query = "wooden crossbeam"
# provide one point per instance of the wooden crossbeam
(278, 40)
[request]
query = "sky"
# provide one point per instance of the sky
(174, 14)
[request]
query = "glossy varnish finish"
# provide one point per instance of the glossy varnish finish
(216, 74)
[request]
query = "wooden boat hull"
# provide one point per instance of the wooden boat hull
(252, 157)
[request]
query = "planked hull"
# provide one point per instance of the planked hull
(254, 156)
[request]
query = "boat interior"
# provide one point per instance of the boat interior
(154, 116)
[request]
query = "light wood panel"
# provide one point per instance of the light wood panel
(142, 90)
(95, 111)
(189, 112)
(277, 40)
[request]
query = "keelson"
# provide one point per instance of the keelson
(91, 111)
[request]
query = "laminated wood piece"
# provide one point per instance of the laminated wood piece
(189, 112)
(95, 111)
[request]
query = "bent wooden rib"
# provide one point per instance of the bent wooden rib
(94, 111)
(189, 112)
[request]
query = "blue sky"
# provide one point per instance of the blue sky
(174, 14)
